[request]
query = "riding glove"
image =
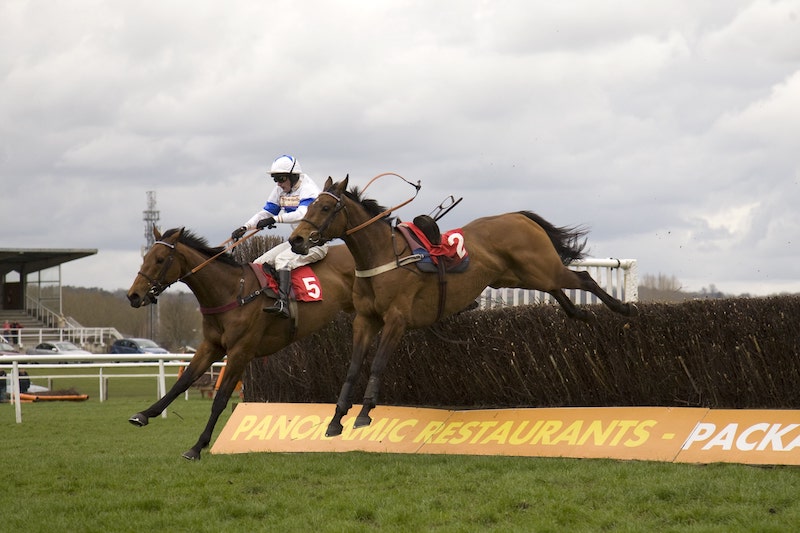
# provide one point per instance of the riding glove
(238, 233)
(268, 222)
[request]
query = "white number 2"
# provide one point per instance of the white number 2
(312, 288)
(458, 240)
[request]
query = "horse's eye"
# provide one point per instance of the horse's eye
(159, 260)
(326, 208)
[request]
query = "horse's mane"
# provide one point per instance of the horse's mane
(372, 207)
(200, 244)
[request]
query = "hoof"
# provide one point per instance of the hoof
(191, 455)
(138, 420)
(362, 421)
(334, 430)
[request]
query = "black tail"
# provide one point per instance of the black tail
(569, 242)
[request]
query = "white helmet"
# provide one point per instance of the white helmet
(286, 164)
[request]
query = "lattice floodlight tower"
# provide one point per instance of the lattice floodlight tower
(151, 216)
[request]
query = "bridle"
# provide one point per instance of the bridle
(315, 237)
(159, 285)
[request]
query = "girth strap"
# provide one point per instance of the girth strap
(442, 289)
(397, 263)
(242, 300)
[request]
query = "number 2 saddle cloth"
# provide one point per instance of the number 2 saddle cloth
(450, 251)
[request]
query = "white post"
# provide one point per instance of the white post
(15, 391)
(162, 384)
(632, 282)
(102, 392)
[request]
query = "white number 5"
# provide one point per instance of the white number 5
(312, 288)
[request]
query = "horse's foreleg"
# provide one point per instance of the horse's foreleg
(233, 374)
(392, 332)
(345, 401)
(199, 364)
(363, 333)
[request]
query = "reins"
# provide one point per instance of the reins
(379, 216)
(224, 250)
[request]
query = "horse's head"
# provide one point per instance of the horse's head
(325, 220)
(159, 269)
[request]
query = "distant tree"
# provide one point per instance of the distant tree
(661, 288)
(711, 292)
(661, 282)
(179, 321)
(99, 308)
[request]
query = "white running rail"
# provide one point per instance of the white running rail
(157, 362)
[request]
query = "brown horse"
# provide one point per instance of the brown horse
(223, 288)
(511, 250)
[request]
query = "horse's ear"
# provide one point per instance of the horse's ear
(328, 183)
(342, 185)
(156, 233)
(177, 235)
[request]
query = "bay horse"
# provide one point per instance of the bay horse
(511, 250)
(231, 325)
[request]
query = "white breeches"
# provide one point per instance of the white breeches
(283, 258)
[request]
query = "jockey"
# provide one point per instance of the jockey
(287, 204)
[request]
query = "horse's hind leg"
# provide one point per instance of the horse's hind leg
(587, 283)
(233, 373)
(572, 310)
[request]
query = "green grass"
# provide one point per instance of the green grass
(82, 467)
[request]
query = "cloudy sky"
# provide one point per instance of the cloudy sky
(670, 128)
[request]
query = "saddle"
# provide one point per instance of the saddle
(437, 250)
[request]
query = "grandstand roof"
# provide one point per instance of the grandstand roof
(27, 260)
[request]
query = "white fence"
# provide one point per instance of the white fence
(618, 277)
(158, 362)
(92, 339)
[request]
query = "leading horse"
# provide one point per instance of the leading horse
(510, 250)
(223, 287)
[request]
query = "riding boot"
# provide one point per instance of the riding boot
(281, 305)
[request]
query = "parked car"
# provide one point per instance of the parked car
(136, 346)
(57, 348)
(7, 349)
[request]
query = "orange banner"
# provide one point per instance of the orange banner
(692, 435)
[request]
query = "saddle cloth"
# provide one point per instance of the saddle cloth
(305, 283)
(451, 252)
